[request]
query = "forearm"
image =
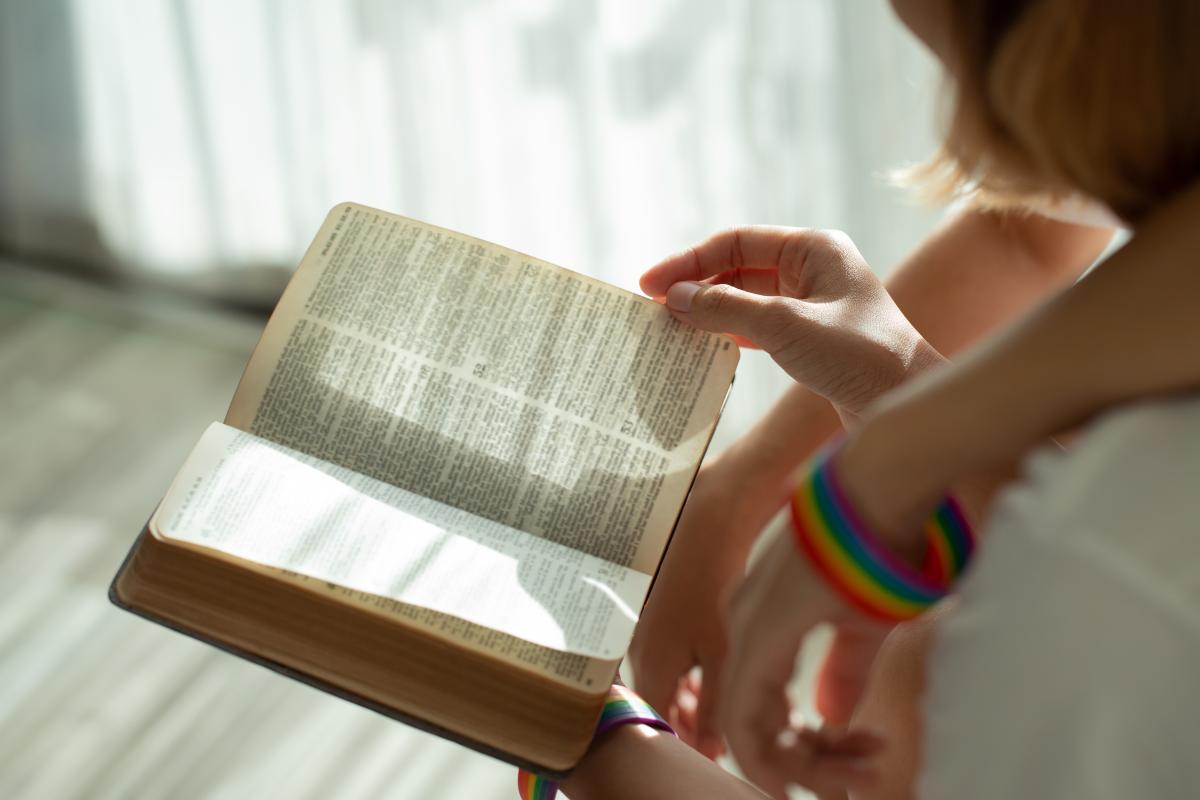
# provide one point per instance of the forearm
(634, 761)
(1128, 330)
(781, 440)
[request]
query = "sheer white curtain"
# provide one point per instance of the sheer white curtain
(201, 141)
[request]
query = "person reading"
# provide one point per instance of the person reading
(982, 348)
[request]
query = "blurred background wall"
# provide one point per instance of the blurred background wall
(160, 159)
(198, 143)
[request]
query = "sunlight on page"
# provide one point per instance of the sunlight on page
(258, 501)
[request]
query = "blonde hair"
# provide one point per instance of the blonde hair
(1051, 98)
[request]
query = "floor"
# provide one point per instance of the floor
(101, 396)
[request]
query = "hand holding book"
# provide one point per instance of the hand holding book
(808, 298)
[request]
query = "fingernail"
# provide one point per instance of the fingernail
(679, 296)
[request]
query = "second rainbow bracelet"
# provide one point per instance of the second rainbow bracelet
(858, 565)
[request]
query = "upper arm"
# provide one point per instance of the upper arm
(982, 269)
(1062, 249)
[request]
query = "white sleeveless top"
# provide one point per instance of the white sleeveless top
(1071, 668)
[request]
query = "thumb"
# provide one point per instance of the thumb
(768, 321)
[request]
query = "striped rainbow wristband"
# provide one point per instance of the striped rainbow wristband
(858, 565)
(622, 706)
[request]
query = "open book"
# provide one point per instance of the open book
(443, 486)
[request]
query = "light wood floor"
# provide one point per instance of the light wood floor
(101, 396)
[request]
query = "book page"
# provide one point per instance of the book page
(493, 382)
(251, 499)
(490, 381)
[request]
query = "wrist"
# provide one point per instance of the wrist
(609, 756)
(624, 719)
(889, 577)
(924, 358)
(918, 358)
(904, 484)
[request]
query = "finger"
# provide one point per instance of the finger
(836, 741)
(754, 703)
(769, 322)
(831, 764)
(686, 703)
(771, 612)
(677, 723)
(843, 675)
(708, 728)
(759, 760)
(755, 281)
(751, 732)
(756, 247)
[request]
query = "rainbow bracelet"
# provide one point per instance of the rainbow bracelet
(622, 706)
(858, 565)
